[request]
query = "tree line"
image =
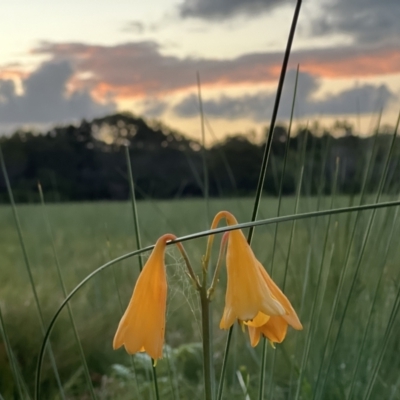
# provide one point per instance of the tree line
(88, 161)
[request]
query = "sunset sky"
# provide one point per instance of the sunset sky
(67, 60)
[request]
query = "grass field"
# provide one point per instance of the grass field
(337, 354)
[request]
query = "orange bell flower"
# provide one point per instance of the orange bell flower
(247, 295)
(251, 295)
(142, 326)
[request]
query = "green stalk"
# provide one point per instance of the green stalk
(292, 231)
(388, 333)
(345, 266)
(262, 374)
(134, 206)
(171, 375)
(154, 371)
(284, 169)
(204, 153)
(223, 156)
(361, 254)
(9, 352)
(314, 303)
(224, 364)
(29, 271)
(62, 285)
(207, 354)
(268, 145)
(369, 320)
(272, 367)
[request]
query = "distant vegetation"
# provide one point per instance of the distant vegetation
(87, 162)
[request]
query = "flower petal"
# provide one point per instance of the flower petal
(290, 314)
(143, 323)
(275, 329)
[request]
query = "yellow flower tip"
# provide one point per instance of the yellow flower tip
(242, 326)
(254, 334)
(142, 326)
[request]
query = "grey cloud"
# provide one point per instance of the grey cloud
(223, 9)
(257, 107)
(154, 108)
(45, 99)
(367, 21)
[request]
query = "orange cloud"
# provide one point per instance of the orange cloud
(380, 62)
(139, 69)
(13, 72)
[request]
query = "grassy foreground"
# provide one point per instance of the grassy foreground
(336, 355)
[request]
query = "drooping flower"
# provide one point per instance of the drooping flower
(142, 326)
(247, 295)
(251, 296)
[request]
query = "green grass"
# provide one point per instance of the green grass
(88, 235)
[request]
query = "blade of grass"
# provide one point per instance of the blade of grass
(361, 253)
(206, 304)
(13, 366)
(345, 265)
(322, 180)
(134, 205)
(229, 171)
(292, 232)
(268, 145)
(138, 246)
(385, 341)
(204, 153)
(172, 375)
(29, 271)
(375, 298)
(224, 365)
(285, 157)
(62, 285)
(317, 287)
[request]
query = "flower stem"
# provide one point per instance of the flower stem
(214, 282)
(153, 368)
(207, 356)
(262, 375)
(191, 273)
(224, 364)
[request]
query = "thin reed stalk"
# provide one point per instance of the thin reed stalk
(62, 285)
(29, 271)
(14, 369)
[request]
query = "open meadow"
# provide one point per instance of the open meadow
(349, 328)
(255, 256)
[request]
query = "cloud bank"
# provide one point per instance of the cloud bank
(258, 107)
(224, 9)
(45, 98)
(367, 21)
(140, 69)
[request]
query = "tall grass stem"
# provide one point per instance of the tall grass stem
(64, 291)
(29, 271)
